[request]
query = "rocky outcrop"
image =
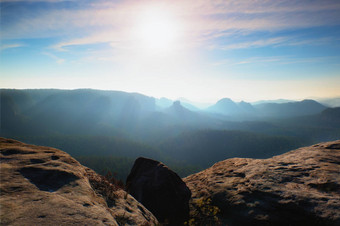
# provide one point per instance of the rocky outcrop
(301, 187)
(45, 186)
(160, 190)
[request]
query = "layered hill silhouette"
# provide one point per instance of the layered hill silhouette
(114, 105)
(91, 112)
(46, 186)
(226, 106)
(290, 109)
(125, 125)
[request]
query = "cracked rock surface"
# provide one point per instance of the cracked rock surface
(301, 187)
(45, 186)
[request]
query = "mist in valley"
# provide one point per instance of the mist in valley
(108, 130)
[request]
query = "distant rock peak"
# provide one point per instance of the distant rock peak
(177, 103)
(225, 100)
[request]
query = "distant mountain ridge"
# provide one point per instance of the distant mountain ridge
(138, 117)
(226, 106)
(86, 110)
(125, 125)
(330, 102)
(243, 109)
(278, 101)
(290, 109)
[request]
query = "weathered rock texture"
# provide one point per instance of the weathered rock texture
(45, 186)
(301, 187)
(160, 190)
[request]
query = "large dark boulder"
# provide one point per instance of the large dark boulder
(160, 190)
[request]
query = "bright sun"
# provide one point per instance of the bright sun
(156, 29)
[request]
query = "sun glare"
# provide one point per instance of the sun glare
(156, 29)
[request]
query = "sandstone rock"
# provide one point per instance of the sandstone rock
(301, 187)
(160, 190)
(45, 186)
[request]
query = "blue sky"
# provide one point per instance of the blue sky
(200, 50)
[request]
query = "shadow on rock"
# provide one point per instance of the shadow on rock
(160, 190)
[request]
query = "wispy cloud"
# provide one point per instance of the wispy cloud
(257, 43)
(201, 19)
(112, 37)
(58, 60)
(277, 42)
(219, 25)
(50, 1)
(277, 60)
(252, 60)
(10, 46)
(267, 7)
(314, 41)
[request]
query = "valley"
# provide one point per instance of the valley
(108, 130)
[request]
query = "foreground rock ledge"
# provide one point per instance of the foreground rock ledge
(301, 187)
(46, 186)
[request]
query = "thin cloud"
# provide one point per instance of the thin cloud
(277, 60)
(316, 41)
(259, 7)
(311, 60)
(35, 1)
(203, 19)
(58, 60)
(112, 37)
(277, 42)
(10, 46)
(253, 60)
(256, 44)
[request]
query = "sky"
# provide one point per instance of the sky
(201, 50)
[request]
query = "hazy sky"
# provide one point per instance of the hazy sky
(200, 50)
